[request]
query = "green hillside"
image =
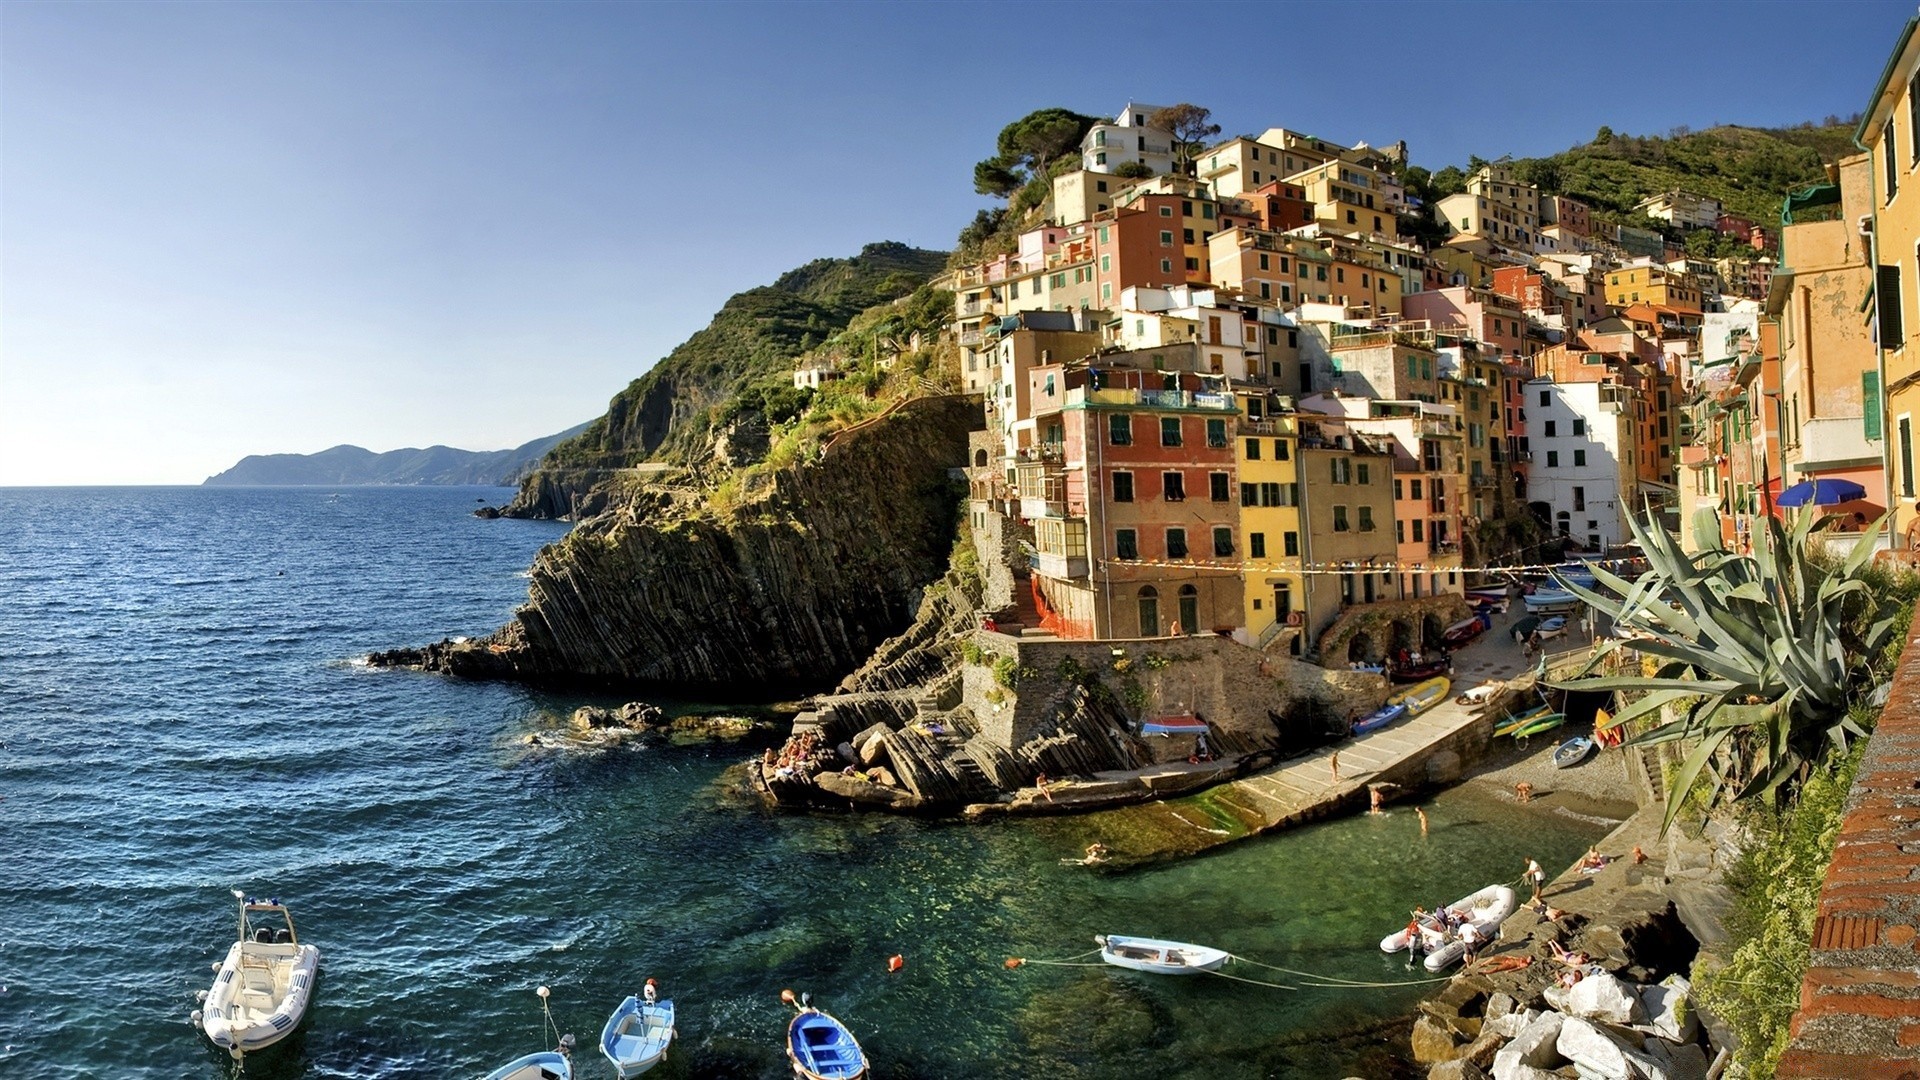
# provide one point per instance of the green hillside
(749, 346)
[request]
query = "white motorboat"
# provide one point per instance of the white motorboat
(262, 989)
(1485, 909)
(1159, 957)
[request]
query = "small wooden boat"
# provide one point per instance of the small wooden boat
(1489, 593)
(1524, 628)
(1421, 672)
(636, 1036)
(1516, 721)
(1466, 630)
(1159, 957)
(1552, 628)
(1422, 696)
(1484, 606)
(1379, 718)
(1480, 695)
(1485, 909)
(261, 992)
(1536, 726)
(1573, 752)
(547, 1065)
(1551, 600)
(821, 1048)
(1175, 724)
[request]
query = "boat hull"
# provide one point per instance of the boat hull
(1517, 721)
(1160, 957)
(637, 1035)
(1415, 673)
(1420, 697)
(1378, 719)
(1486, 910)
(1535, 727)
(543, 1066)
(1573, 752)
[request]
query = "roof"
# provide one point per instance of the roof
(1885, 91)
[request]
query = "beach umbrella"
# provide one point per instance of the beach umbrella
(1822, 492)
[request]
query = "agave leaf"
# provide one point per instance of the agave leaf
(1692, 687)
(1652, 702)
(1863, 548)
(1689, 770)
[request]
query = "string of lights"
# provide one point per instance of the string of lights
(1351, 567)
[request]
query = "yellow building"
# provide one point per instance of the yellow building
(1890, 133)
(1652, 285)
(1266, 456)
(1349, 198)
(1241, 165)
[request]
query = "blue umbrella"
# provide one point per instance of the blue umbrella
(1822, 492)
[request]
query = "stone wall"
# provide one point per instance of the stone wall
(1232, 686)
(1379, 622)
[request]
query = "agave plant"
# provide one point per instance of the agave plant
(1754, 653)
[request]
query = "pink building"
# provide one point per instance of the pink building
(1494, 320)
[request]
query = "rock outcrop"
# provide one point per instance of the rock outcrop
(792, 589)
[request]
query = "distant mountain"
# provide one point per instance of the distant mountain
(344, 466)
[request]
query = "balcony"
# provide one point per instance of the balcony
(970, 337)
(971, 308)
(1157, 399)
(1444, 547)
(1481, 482)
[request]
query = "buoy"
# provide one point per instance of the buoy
(543, 992)
(896, 962)
(786, 997)
(1014, 962)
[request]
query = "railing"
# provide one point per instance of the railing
(1481, 482)
(1445, 547)
(973, 307)
(970, 337)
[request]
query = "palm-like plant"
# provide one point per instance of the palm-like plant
(1755, 652)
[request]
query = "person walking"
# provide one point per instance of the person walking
(1423, 820)
(1535, 877)
(1470, 939)
(1414, 940)
(1333, 763)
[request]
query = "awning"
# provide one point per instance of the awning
(1808, 198)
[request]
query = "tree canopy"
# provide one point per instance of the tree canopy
(1191, 126)
(1027, 149)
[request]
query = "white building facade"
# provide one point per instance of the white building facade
(1581, 437)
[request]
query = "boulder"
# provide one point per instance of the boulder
(590, 717)
(1480, 1051)
(1667, 1014)
(1509, 1024)
(1531, 1052)
(1457, 1069)
(640, 714)
(1432, 1041)
(870, 745)
(1682, 1062)
(1501, 1004)
(1605, 998)
(861, 793)
(1603, 1054)
(884, 777)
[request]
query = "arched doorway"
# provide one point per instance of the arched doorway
(1189, 609)
(1399, 638)
(1149, 611)
(1430, 631)
(1360, 648)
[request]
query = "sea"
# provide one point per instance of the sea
(184, 712)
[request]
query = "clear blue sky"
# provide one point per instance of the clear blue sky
(250, 228)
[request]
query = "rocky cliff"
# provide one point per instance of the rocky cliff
(793, 588)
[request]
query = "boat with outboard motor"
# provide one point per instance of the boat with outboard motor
(1159, 957)
(556, 1064)
(1485, 909)
(261, 992)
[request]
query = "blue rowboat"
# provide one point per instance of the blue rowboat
(636, 1036)
(821, 1048)
(1551, 600)
(544, 1066)
(1379, 718)
(1572, 752)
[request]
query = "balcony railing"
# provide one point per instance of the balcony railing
(1445, 547)
(970, 337)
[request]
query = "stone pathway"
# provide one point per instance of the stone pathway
(1305, 789)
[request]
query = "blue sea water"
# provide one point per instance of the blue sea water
(181, 714)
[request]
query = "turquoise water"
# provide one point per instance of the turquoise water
(183, 717)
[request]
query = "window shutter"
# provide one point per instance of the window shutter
(1870, 404)
(1886, 300)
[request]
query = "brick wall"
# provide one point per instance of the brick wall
(1860, 1001)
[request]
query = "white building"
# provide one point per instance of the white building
(1682, 208)
(1581, 437)
(1151, 317)
(1128, 138)
(811, 374)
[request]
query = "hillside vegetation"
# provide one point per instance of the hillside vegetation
(747, 351)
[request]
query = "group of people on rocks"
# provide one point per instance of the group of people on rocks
(794, 758)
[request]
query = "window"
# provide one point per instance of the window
(1579, 457)
(1123, 487)
(1913, 115)
(1579, 498)
(1120, 429)
(1126, 544)
(1580, 426)
(1549, 432)
(1100, 158)
(1217, 434)
(1222, 542)
(1169, 431)
(1106, 264)
(1364, 477)
(1891, 158)
(1341, 469)
(1398, 491)
(1290, 543)
(1253, 449)
(1399, 531)
(1543, 399)
(1553, 459)
(1886, 303)
(1217, 486)
(1173, 486)
(1166, 211)
(1280, 452)
(1176, 543)
(1166, 266)
(1186, 236)
(1340, 519)
(1166, 237)
(1366, 519)
(1257, 545)
(1413, 489)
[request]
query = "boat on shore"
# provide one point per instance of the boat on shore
(1573, 752)
(1551, 601)
(1379, 718)
(1516, 721)
(1159, 957)
(1420, 697)
(1535, 726)
(1480, 695)
(636, 1036)
(1422, 671)
(821, 1047)
(1464, 631)
(261, 991)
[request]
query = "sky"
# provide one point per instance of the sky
(240, 228)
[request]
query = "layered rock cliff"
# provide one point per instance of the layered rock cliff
(794, 588)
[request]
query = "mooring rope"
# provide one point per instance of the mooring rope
(1328, 981)
(1333, 980)
(1254, 982)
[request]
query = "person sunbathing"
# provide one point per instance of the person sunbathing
(1573, 958)
(1592, 862)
